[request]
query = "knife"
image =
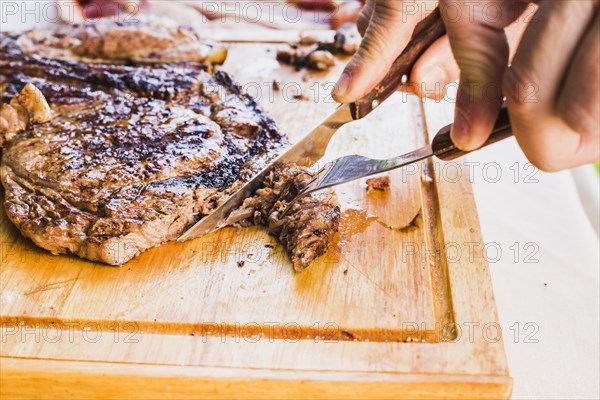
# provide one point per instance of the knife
(312, 147)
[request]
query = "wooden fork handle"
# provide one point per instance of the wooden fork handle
(425, 34)
(444, 149)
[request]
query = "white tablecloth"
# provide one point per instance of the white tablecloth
(547, 291)
(558, 292)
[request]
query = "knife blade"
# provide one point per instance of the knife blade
(305, 153)
(313, 146)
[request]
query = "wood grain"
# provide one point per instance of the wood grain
(385, 313)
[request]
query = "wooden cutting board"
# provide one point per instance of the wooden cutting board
(401, 305)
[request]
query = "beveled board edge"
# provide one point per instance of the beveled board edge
(26, 379)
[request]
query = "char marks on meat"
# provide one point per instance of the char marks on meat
(133, 154)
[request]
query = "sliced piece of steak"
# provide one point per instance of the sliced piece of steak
(380, 183)
(308, 227)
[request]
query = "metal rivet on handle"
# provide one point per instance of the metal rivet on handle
(374, 104)
(404, 79)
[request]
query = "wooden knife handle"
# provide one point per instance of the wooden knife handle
(425, 34)
(444, 149)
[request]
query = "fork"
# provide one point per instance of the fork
(349, 168)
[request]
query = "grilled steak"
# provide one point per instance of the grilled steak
(133, 154)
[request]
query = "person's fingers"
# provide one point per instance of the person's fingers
(365, 17)
(480, 47)
(545, 53)
(534, 80)
(386, 36)
(437, 68)
(515, 31)
(588, 151)
(434, 70)
(346, 12)
(579, 99)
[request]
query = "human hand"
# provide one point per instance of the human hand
(553, 96)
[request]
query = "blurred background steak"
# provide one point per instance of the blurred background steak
(132, 155)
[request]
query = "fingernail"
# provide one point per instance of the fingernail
(341, 87)
(460, 130)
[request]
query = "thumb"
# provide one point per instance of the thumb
(480, 47)
(386, 36)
